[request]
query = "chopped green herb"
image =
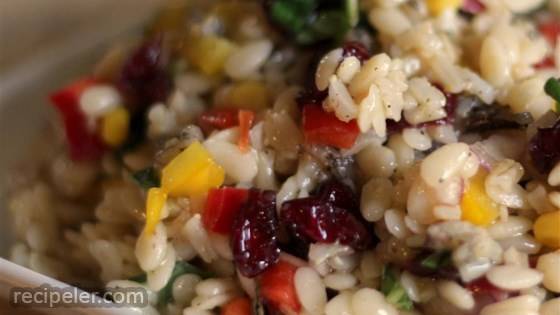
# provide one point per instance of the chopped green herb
(437, 260)
(181, 267)
(312, 21)
(552, 88)
(393, 290)
(146, 178)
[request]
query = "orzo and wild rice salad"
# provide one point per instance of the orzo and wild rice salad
(375, 157)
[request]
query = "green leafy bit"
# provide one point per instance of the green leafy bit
(552, 88)
(437, 260)
(312, 21)
(393, 290)
(181, 267)
(146, 178)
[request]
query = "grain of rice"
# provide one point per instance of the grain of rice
(514, 226)
(554, 176)
(456, 294)
(196, 311)
(339, 100)
(444, 163)
(377, 161)
(348, 69)
(369, 301)
(246, 60)
(370, 265)
(524, 243)
(416, 139)
(404, 154)
(390, 21)
(151, 249)
(184, 288)
(198, 238)
(509, 277)
(98, 100)
(211, 302)
(376, 197)
(445, 212)
(501, 184)
(340, 305)
(537, 199)
(513, 257)
(192, 83)
(394, 220)
(214, 286)
(520, 305)
(248, 285)
(108, 257)
(158, 277)
(554, 198)
(327, 67)
(340, 281)
(549, 265)
(310, 290)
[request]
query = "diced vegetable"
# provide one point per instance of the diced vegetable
(547, 229)
(218, 119)
(277, 287)
(209, 53)
(437, 7)
(246, 118)
(221, 207)
(154, 204)
(83, 143)
(482, 288)
(114, 127)
(476, 206)
(320, 127)
(312, 21)
(552, 88)
(251, 95)
(192, 172)
(393, 290)
(437, 260)
(238, 306)
(550, 29)
(147, 178)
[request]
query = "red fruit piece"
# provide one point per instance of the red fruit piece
(238, 306)
(544, 148)
(254, 241)
(485, 293)
(550, 29)
(143, 76)
(473, 6)
(222, 205)
(325, 218)
(355, 49)
(278, 289)
(83, 143)
(218, 119)
(320, 127)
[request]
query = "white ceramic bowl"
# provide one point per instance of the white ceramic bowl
(44, 44)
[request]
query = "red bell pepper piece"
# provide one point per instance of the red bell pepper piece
(550, 29)
(238, 306)
(320, 127)
(278, 288)
(83, 143)
(246, 118)
(218, 119)
(222, 204)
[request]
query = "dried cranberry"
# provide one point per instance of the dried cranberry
(473, 6)
(485, 293)
(325, 218)
(545, 148)
(254, 239)
(339, 195)
(355, 49)
(143, 77)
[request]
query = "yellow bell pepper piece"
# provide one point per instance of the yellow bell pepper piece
(209, 53)
(114, 127)
(192, 172)
(476, 206)
(547, 229)
(437, 7)
(251, 95)
(154, 204)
